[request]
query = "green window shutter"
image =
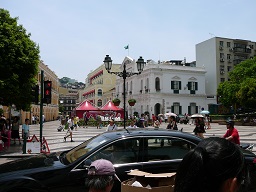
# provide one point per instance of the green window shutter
(189, 109)
(196, 109)
(189, 85)
(179, 85)
(196, 85)
(172, 84)
(180, 109)
(172, 109)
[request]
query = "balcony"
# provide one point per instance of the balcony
(241, 50)
(237, 61)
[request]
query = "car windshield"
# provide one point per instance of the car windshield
(85, 147)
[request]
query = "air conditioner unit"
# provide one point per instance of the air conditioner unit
(221, 47)
(222, 72)
(222, 59)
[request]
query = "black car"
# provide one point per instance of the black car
(154, 151)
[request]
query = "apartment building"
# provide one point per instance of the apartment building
(219, 56)
(69, 99)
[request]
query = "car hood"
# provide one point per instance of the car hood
(37, 161)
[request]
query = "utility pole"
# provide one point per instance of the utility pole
(41, 107)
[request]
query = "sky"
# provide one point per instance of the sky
(74, 36)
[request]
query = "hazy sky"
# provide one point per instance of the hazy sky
(75, 35)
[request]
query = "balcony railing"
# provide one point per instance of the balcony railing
(241, 50)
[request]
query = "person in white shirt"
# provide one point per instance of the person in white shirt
(111, 126)
(70, 129)
(132, 125)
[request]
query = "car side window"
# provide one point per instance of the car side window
(162, 148)
(122, 151)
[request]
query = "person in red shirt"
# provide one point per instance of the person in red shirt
(232, 133)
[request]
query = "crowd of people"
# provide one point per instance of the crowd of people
(10, 130)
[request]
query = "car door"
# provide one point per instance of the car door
(163, 154)
(123, 153)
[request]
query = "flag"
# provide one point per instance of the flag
(126, 47)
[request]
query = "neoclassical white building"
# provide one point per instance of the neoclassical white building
(164, 87)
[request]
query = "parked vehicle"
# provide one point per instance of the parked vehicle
(149, 150)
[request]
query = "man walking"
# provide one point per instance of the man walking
(70, 129)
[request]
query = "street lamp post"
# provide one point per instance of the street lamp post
(108, 65)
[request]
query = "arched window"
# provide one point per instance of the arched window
(99, 92)
(99, 103)
(157, 84)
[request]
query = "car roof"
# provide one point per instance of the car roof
(149, 132)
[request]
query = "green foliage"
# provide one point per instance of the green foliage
(116, 100)
(64, 80)
(61, 108)
(131, 101)
(19, 59)
(146, 113)
(240, 90)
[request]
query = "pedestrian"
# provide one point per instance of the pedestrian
(101, 176)
(111, 126)
(141, 121)
(33, 119)
(70, 129)
(207, 121)
(25, 130)
(86, 120)
(76, 119)
(165, 118)
(157, 124)
(15, 130)
(232, 133)
(172, 124)
(4, 131)
(98, 121)
(199, 129)
(146, 120)
(214, 165)
(132, 125)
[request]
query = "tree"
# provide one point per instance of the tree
(19, 59)
(64, 80)
(241, 88)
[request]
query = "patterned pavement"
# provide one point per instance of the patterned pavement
(56, 143)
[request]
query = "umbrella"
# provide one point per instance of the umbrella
(170, 114)
(196, 115)
(205, 112)
(160, 114)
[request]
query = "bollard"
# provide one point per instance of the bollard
(24, 143)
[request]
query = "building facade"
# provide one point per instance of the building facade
(69, 99)
(98, 83)
(50, 111)
(164, 87)
(219, 56)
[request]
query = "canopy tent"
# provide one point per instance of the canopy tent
(109, 106)
(86, 107)
(110, 109)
